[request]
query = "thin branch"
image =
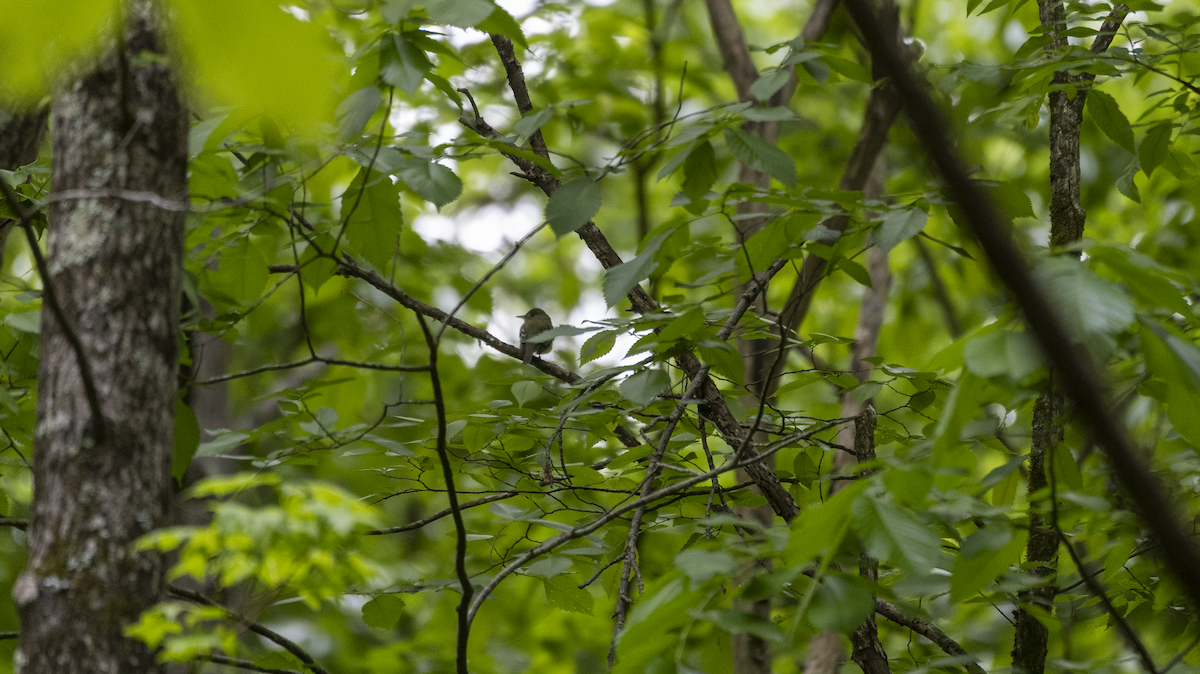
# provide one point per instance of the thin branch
(51, 297)
(14, 523)
(272, 636)
(242, 664)
(491, 498)
(928, 630)
(309, 361)
(1078, 376)
(460, 530)
(635, 524)
(585, 529)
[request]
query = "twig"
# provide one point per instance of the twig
(491, 498)
(928, 630)
(460, 530)
(242, 664)
(272, 636)
(1077, 374)
(635, 524)
(85, 368)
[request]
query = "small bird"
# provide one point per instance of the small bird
(536, 322)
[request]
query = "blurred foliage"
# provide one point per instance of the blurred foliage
(333, 128)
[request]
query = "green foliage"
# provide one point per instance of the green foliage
(333, 134)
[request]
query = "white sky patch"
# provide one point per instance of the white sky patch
(490, 229)
(1014, 35)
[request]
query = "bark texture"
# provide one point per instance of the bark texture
(1031, 637)
(99, 484)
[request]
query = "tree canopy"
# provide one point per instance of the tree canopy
(793, 386)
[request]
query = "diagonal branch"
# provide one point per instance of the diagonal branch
(1078, 374)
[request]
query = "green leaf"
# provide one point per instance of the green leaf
(1085, 301)
(187, 439)
(700, 565)
(699, 174)
(431, 181)
(889, 533)
(500, 22)
(563, 592)
(1143, 278)
(1065, 468)
(597, 345)
(461, 13)
(530, 123)
(855, 271)
(741, 622)
(256, 55)
(1108, 116)
(372, 204)
(643, 387)
(403, 64)
(772, 80)
(991, 558)
(524, 391)
(620, 280)
(761, 156)
(898, 226)
(817, 527)
(683, 326)
(1155, 147)
(383, 612)
(242, 272)
(354, 112)
(841, 603)
(573, 205)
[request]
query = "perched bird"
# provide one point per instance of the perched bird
(536, 322)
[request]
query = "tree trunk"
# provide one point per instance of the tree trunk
(115, 267)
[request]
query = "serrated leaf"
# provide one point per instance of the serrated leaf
(354, 112)
(1108, 116)
(620, 280)
(524, 391)
(898, 226)
(500, 22)
(700, 565)
(403, 64)
(573, 205)
(242, 272)
(1155, 147)
(563, 592)
(374, 224)
(643, 387)
(889, 533)
(855, 271)
(597, 345)
(683, 326)
(761, 156)
(431, 181)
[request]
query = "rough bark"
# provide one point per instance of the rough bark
(99, 484)
(1029, 642)
(1067, 218)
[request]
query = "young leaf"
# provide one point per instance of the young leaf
(1155, 146)
(762, 156)
(573, 205)
(432, 182)
(620, 280)
(898, 226)
(1108, 116)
